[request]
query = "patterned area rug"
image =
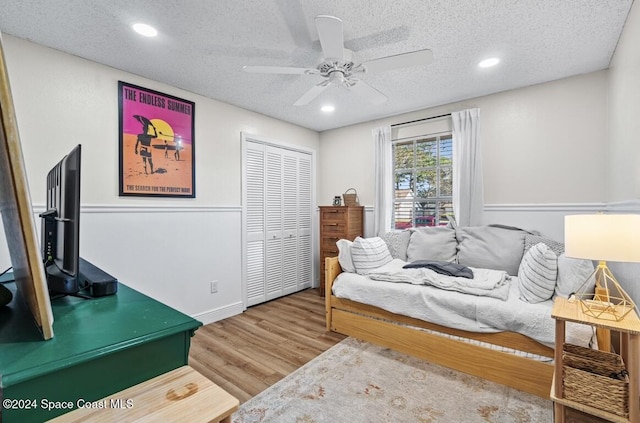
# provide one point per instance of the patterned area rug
(356, 381)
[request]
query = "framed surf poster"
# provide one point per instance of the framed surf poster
(157, 143)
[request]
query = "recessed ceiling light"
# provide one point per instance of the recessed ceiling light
(144, 29)
(327, 108)
(487, 63)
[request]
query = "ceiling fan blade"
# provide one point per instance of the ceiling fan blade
(310, 95)
(404, 60)
(367, 91)
(281, 70)
(331, 36)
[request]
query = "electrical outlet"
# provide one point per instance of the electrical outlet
(214, 287)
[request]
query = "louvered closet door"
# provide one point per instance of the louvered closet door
(255, 227)
(296, 217)
(280, 261)
(274, 221)
(290, 222)
(305, 241)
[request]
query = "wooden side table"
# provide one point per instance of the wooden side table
(182, 395)
(629, 329)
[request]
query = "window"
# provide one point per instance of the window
(422, 170)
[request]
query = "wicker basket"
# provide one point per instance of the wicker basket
(351, 199)
(587, 379)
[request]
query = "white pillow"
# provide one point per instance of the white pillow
(572, 274)
(530, 240)
(491, 247)
(438, 244)
(369, 254)
(397, 242)
(344, 255)
(537, 274)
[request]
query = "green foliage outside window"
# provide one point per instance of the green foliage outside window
(423, 181)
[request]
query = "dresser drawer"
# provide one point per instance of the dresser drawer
(333, 214)
(328, 243)
(333, 229)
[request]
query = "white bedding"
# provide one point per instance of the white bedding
(485, 282)
(461, 311)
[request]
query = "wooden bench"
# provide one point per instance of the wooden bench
(181, 395)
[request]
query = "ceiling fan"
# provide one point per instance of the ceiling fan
(340, 67)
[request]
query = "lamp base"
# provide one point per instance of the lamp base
(610, 301)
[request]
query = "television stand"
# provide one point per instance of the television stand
(55, 295)
(91, 279)
(100, 347)
(60, 282)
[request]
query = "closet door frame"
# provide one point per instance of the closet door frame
(245, 139)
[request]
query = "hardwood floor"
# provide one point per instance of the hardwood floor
(247, 353)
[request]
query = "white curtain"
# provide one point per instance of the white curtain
(468, 191)
(383, 206)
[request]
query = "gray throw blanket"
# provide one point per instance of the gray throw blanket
(442, 267)
(485, 282)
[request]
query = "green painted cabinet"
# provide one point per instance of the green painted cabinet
(100, 346)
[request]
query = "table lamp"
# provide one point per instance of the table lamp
(603, 237)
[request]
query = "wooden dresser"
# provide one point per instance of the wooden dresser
(337, 222)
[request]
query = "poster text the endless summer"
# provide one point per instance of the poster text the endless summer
(157, 101)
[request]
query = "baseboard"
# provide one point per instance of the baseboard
(219, 313)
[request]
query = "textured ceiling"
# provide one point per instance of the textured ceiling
(203, 44)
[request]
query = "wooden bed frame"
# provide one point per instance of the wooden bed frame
(392, 330)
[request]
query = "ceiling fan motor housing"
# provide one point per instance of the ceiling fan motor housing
(338, 70)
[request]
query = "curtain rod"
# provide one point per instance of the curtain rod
(420, 120)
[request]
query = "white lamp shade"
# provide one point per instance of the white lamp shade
(608, 237)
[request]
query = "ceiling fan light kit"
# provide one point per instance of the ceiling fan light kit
(340, 65)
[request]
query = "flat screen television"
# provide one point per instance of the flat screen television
(61, 226)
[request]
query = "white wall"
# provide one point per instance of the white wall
(544, 151)
(624, 137)
(624, 113)
(167, 248)
(541, 144)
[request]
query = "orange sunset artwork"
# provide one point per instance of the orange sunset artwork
(156, 153)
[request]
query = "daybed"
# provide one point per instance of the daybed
(508, 357)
